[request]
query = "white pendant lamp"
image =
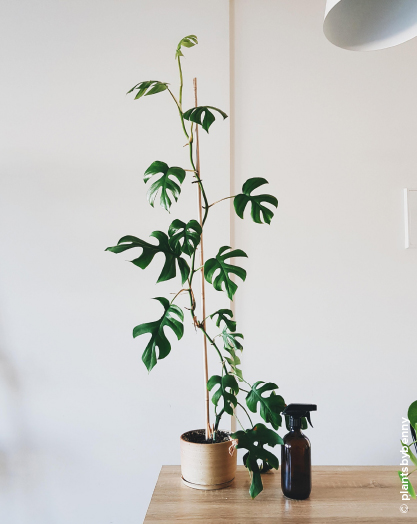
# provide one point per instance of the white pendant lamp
(367, 25)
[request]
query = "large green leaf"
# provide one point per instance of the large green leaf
(187, 41)
(406, 482)
(156, 329)
(223, 316)
(184, 237)
(240, 201)
(271, 406)
(229, 397)
(223, 279)
(149, 87)
(254, 441)
(203, 116)
(412, 415)
(149, 251)
(164, 183)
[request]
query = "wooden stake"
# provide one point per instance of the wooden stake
(203, 294)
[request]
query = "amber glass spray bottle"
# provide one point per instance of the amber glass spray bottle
(296, 454)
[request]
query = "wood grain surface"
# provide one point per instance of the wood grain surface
(340, 494)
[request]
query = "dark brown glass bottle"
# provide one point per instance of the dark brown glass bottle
(296, 463)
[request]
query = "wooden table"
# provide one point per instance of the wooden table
(341, 494)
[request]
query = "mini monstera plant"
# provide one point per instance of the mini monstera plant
(178, 246)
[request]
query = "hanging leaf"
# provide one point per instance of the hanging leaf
(149, 251)
(184, 237)
(412, 415)
(222, 315)
(187, 41)
(229, 397)
(230, 340)
(203, 116)
(164, 183)
(150, 87)
(156, 329)
(254, 441)
(223, 279)
(271, 406)
(240, 201)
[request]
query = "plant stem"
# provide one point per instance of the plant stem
(244, 409)
(221, 200)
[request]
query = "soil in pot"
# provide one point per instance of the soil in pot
(198, 436)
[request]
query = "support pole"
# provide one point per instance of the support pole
(203, 293)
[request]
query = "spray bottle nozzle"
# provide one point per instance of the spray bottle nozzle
(298, 411)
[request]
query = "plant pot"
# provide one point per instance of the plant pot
(207, 466)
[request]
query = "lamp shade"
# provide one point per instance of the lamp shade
(367, 25)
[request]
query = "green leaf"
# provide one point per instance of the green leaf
(254, 441)
(406, 481)
(164, 183)
(229, 397)
(412, 414)
(410, 454)
(271, 406)
(150, 87)
(223, 279)
(156, 329)
(150, 250)
(203, 116)
(230, 340)
(240, 201)
(184, 237)
(187, 41)
(222, 315)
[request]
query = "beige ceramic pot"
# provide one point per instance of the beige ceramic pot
(207, 466)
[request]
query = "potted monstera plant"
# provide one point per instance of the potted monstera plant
(208, 460)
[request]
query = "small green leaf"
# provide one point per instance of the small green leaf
(222, 315)
(150, 250)
(229, 397)
(270, 407)
(187, 41)
(218, 264)
(165, 183)
(156, 329)
(412, 415)
(230, 340)
(150, 87)
(240, 201)
(184, 237)
(203, 116)
(254, 441)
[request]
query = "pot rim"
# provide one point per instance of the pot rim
(201, 444)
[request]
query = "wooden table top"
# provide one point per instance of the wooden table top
(340, 494)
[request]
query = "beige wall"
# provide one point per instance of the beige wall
(330, 303)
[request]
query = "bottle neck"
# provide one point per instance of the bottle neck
(295, 424)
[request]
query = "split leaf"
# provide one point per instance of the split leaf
(222, 315)
(219, 264)
(184, 237)
(150, 250)
(229, 397)
(270, 407)
(156, 329)
(203, 116)
(165, 183)
(149, 87)
(187, 41)
(240, 201)
(254, 441)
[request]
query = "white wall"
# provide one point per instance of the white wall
(83, 428)
(329, 306)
